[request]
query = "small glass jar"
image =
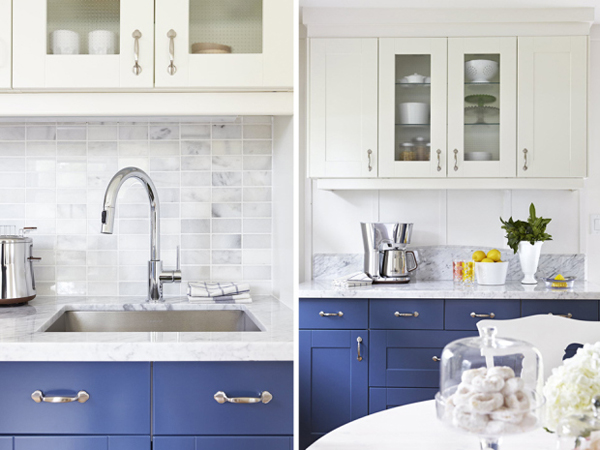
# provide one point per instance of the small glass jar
(580, 431)
(421, 149)
(458, 267)
(406, 152)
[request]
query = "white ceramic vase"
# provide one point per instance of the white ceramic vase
(529, 256)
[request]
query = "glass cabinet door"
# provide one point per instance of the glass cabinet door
(482, 81)
(83, 44)
(5, 43)
(224, 43)
(412, 107)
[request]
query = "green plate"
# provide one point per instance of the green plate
(480, 99)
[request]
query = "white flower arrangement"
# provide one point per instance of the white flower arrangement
(590, 443)
(570, 388)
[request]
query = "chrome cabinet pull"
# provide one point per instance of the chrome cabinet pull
(359, 340)
(369, 153)
(413, 314)
(439, 160)
(483, 316)
(337, 314)
(567, 315)
(455, 160)
(38, 397)
(436, 359)
(525, 151)
(137, 69)
(265, 397)
(172, 69)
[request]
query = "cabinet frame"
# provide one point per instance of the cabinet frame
(5, 44)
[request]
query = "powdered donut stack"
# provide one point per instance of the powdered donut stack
(491, 402)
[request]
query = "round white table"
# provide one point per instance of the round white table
(416, 427)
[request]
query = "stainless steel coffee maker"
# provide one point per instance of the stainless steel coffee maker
(386, 257)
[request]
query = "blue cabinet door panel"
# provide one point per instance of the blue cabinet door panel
(82, 443)
(6, 443)
(382, 398)
(458, 312)
(405, 358)
(222, 443)
(355, 314)
(578, 309)
(184, 402)
(333, 382)
(430, 314)
(119, 400)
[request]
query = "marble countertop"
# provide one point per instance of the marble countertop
(22, 337)
(446, 289)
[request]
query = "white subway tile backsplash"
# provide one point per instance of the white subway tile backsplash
(214, 184)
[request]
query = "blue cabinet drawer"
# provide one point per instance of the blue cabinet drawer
(464, 314)
(184, 402)
(577, 309)
(334, 314)
(223, 443)
(407, 314)
(381, 399)
(81, 443)
(406, 358)
(119, 398)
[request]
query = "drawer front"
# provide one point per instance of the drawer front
(184, 402)
(382, 398)
(354, 314)
(81, 443)
(458, 312)
(405, 358)
(407, 314)
(119, 400)
(6, 443)
(577, 309)
(223, 443)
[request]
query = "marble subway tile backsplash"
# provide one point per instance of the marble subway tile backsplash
(214, 184)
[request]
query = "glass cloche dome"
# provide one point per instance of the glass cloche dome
(491, 387)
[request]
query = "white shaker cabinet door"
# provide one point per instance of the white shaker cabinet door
(5, 43)
(552, 107)
(343, 108)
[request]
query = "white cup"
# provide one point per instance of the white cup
(102, 42)
(65, 42)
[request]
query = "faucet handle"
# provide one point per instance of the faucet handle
(178, 259)
(172, 276)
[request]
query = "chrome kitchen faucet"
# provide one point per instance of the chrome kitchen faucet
(156, 276)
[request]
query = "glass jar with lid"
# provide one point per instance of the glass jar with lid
(406, 152)
(580, 431)
(421, 148)
(490, 387)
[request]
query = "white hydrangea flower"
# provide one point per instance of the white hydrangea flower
(570, 388)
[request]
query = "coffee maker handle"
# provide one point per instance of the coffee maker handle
(414, 258)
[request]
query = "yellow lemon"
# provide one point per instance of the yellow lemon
(478, 256)
(559, 277)
(494, 255)
(487, 260)
(499, 260)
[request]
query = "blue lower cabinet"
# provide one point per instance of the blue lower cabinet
(576, 309)
(81, 443)
(464, 314)
(223, 443)
(407, 314)
(333, 381)
(119, 399)
(184, 398)
(334, 314)
(6, 443)
(381, 399)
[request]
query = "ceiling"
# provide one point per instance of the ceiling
(453, 4)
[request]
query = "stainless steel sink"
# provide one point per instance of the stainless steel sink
(149, 321)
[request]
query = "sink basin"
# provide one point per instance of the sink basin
(153, 321)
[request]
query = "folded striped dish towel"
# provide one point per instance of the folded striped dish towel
(353, 280)
(203, 292)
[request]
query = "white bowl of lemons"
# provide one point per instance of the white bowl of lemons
(490, 270)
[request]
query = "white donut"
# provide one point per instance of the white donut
(486, 402)
(450, 405)
(463, 394)
(529, 421)
(468, 375)
(519, 401)
(492, 383)
(505, 414)
(513, 385)
(469, 421)
(501, 371)
(497, 427)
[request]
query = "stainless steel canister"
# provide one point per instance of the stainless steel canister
(17, 282)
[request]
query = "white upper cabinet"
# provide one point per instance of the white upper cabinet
(5, 43)
(412, 107)
(343, 108)
(482, 107)
(552, 107)
(224, 43)
(82, 44)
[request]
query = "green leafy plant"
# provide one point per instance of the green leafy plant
(532, 231)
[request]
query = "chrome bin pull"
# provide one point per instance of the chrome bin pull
(265, 397)
(81, 397)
